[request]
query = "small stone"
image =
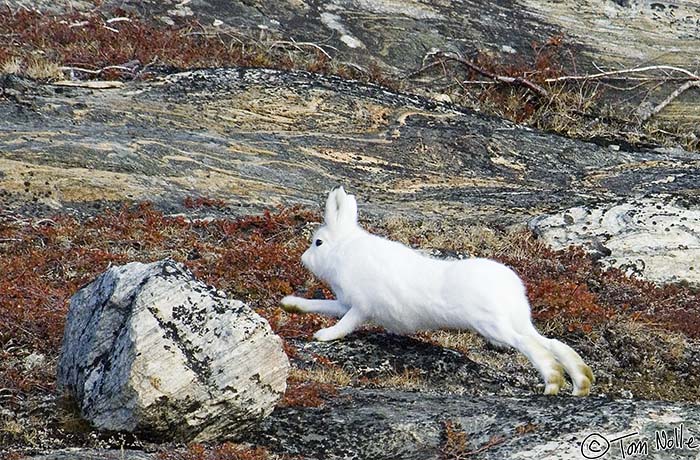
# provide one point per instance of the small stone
(34, 361)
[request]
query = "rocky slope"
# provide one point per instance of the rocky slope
(257, 138)
(397, 34)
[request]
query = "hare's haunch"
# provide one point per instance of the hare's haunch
(396, 287)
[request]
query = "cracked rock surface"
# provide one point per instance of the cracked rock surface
(148, 349)
(257, 138)
(655, 237)
(387, 424)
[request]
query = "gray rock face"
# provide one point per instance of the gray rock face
(657, 238)
(95, 454)
(149, 349)
(397, 424)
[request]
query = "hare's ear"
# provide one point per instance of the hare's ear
(347, 209)
(331, 214)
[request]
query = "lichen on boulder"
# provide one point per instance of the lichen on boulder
(150, 349)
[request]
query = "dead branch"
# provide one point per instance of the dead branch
(118, 19)
(518, 81)
(492, 442)
(98, 71)
(680, 90)
(299, 45)
(618, 73)
(423, 69)
(479, 82)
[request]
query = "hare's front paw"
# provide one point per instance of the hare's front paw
(291, 304)
(327, 334)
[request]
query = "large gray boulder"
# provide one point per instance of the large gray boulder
(149, 349)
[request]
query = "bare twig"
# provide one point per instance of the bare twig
(118, 19)
(492, 442)
(535, 88)
(299, 46)
(98, 71)
(479, 82)
(79, 24)
(670, 98)
(613, 73)
(423, 69)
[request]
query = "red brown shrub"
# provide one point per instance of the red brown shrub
(226, 451)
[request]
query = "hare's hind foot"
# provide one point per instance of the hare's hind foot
(583, 381)
(555, 380)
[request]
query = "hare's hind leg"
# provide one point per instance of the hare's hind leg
(581, 375)
(295, 304)
(544, 360)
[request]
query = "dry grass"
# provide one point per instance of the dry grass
(11, 66)
(86, 46)
(408, 379)
(592, 110)
(332, 375)
(474, 347)
(225, 451)
(36, 67)
(12, 432)
(456, 445)
(431, 234)
(41, 69)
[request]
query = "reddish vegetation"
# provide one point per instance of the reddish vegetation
(307, 394)
(455, 445)
(516, 102)
(88, 41)
(14, 456)
(256, 259)
(226, 451)
(570, 288)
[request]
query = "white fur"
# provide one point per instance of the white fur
(396, 287)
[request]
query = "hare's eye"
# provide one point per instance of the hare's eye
(319, 242)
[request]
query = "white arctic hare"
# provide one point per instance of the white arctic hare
(396, 287)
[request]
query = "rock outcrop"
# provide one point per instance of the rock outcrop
(389, 424)
(657, 238)
(149, 349)
(95, 454)
(213, 133)
(397, 34)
